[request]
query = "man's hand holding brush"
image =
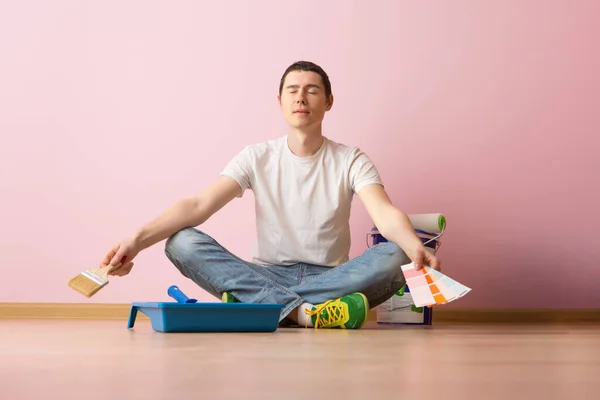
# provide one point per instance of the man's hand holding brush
(121, 257)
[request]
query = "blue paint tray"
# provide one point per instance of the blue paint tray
(208, 317)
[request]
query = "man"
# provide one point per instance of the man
(303, 185)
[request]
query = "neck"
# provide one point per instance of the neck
(304, 144)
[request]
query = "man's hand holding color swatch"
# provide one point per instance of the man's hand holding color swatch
(430, 287)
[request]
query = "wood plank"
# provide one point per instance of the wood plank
(85, 359)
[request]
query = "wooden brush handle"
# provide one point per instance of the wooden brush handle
(104, 271)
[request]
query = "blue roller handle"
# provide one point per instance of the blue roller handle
(178, 295)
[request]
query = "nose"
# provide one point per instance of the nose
(301, 97)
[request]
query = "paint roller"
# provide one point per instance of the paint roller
(428, 223)
(431, 225)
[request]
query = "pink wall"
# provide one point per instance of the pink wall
(110, 111)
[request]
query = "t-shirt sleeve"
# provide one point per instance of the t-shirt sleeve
(363, 171)
(240, 169)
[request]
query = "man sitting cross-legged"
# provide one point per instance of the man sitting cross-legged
(303, 183)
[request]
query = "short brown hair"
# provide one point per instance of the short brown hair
(307, 66)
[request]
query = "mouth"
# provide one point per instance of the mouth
(300, 112)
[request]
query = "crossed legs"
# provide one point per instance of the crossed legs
(376, 274)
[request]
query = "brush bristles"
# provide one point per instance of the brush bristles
(87, 283)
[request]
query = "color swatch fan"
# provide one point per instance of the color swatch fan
(430, 287)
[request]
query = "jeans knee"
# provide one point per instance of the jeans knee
(182, 243)
(177, 242)
(398, 256)
(392, 259)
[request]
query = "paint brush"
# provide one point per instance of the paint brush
(89, 282)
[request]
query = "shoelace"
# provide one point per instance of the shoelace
(336, 311)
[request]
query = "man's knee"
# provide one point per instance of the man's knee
(391, 259)
(184, 242)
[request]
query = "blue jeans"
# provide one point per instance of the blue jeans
(376, 273)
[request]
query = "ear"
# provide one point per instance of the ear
(330, 102)
(279, 100)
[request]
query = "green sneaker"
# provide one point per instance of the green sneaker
(347, 312)
(228, 298)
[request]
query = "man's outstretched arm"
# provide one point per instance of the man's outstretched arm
(394, 225)
(187, 212)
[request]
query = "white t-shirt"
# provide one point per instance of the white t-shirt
(302, 203)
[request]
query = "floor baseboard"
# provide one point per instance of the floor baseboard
(519, 316)
(511, 315)
(121, 312)
(65, 311)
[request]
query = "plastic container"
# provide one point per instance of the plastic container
(425, 237)
(208, 317)
(400, 309)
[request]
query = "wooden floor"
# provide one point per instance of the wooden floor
(50, 359)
